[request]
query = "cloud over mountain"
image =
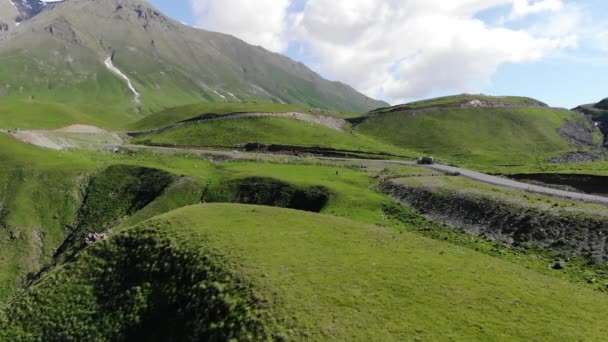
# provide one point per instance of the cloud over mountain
(397, 49)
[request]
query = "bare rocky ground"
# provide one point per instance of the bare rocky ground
(74, 136)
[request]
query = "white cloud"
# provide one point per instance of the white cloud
(601, 40)
(409, 49)
(259, 22)
(401, 49)
(523, 8)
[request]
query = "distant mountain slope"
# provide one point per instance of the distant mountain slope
(13, 12)
(89, 50)
(8, 14)
(465, 100)
(490, 131)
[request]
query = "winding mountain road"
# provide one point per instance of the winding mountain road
(494, 180)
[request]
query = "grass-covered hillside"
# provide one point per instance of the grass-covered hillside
(25, 114)
(250, 272)
(365, 267)
(174, 115)
(502, 136)
(266, 130)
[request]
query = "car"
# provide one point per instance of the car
(426, 161)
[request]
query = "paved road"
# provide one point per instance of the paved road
(482, 177)
(478, 176)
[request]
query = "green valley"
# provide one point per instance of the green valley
(163, 182)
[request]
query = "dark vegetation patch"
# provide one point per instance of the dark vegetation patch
(315, 151)
(589, 184)
(139, 285)
(271, 192)
(563, 232)
(602, 104)
(116, 192)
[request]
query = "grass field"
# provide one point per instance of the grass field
(292, 268)
(48, 115)
(297, 260)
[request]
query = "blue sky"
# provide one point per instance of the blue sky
(552, 50)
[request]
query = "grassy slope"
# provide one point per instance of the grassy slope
(40, 194)
(400, 286)
(171, 116)
(50, 115)
(265, 130)
(448, 100)
(476, 137)
(39, 197)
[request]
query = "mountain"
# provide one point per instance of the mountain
(8, 15)
(13, 12)
(127, 54)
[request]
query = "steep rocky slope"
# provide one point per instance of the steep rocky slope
(598, 112)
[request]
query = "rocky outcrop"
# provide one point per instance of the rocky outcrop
(580, 133)
(578, 157)
(569, 233)
(589, 184)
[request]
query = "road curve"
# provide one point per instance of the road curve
(485, 178)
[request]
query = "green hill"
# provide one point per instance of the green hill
(473, 134)
(464, 101)
(254, 273)
(174, 115)
(267, 130)
(66, 54)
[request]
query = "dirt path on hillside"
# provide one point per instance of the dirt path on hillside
(336, 124)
